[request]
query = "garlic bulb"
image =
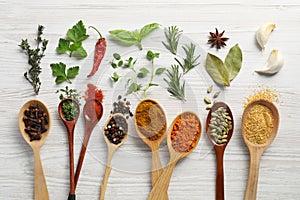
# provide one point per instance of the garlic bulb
(263, 33)
(274, 63)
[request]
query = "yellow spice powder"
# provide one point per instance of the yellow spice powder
(263, 93)
(259, 124)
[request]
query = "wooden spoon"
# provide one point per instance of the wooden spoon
(256, 150)
(93, 111)
(111, 148)
(157, 168)
(70, 126)
(40, 186)
(219, 149)
(162, 184)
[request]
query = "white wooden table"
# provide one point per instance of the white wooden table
(194, 177)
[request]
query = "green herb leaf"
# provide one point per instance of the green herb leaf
(143, 72)
(133, 37)
(59, 70)
(217, 70)
(134, 87)
(77, 33)
(190, 61)
(114, 65)
(172, 34)
(148, 29)
(175, 88)
(72, 72)
(73, 43)
(160, 71)
(233, 61)
(120, 63)
(63, 46)
(151, 55)
(116, 56)
(115, 77)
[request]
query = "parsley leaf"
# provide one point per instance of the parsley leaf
(59, 70)
(73, 42)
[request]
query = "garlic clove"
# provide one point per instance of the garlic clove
(263, 33)
(274, 63)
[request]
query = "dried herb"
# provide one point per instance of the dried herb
(175, 88)
(190, 61)
(133, 37)
(172, 34)
(224, 72)
(34, 59)
(73, 43)
(217, 39)
(69, 93)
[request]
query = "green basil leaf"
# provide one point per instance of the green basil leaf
(160, 71)
(217, 70)
(233, 61)
(124, 36)
(148, 29)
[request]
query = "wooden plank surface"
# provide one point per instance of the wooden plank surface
(194, 177)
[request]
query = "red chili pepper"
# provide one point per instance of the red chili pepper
(99, 52)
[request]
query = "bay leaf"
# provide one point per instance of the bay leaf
(217, 70)
(233, 61)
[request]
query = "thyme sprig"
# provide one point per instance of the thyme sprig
(172, 34)
(175, 88)
(69, 93)
(34, 59)
(190, 60)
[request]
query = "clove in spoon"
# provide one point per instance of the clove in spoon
(219, 148)
(113, 143)
(40, 185)
(93, 111)
(256, 150)
(70, 126)
(159, 129)
(162, 184)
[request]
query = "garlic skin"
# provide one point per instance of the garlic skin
(263, 33)
(274, 63)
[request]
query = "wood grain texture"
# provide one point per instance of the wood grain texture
(130, 178)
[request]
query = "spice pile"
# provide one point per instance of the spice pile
(220, 124)
(264, 94)
(122, 106)
(259, 124)
(35, 121)
(186, 132)
(150, 119)
(116, 129)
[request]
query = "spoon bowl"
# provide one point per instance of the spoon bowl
(93, 111)
(111, 148)
(153, 144)
(219, 148)
(70, 126)
(256, 150)
(40, 186)
(162, 184)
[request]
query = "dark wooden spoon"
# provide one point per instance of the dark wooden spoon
(93, 111)
(219, 149)
(70, 126)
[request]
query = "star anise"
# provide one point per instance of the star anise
(217, 39)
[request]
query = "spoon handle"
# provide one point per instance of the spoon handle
(157, 169)
(251, 189)
(162, 184)
(220, 176)
(82, 155)
(40, 186)
(111, 150)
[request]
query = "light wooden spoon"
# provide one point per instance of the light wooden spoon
(40, 186)
(219, 149)
(157, 168)
(111, 148)
(162, 184)
(70, 126)
(256, 150)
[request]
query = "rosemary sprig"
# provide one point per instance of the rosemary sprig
(191, 60)
(172, 34)
(174, 86)
(34, 59)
